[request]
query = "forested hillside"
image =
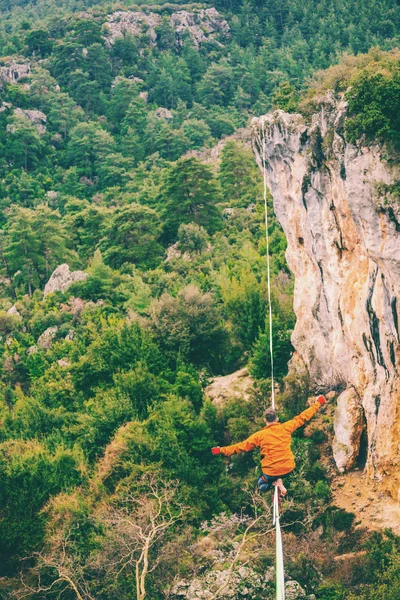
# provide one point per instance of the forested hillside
(124, 154)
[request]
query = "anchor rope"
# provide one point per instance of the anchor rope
(279, 568)
(268, 265)
(279, 565)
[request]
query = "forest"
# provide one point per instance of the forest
(127, 157)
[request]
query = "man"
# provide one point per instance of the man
(274, 441)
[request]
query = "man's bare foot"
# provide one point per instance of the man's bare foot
(281, 487)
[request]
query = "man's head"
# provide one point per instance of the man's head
(270, 415)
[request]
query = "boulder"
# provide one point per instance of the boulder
(70, 335)
(13, 311)
(5, 106)
(62, 278)
(294, 591)
(45, 341)
(349, 424)
(63, 362)
(163, 113)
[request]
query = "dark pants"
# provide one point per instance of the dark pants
(265, 482)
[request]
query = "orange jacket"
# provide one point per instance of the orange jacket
(274, 441)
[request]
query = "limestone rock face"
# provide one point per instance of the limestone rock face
(201, 25)
(62, 278)
(344, 251)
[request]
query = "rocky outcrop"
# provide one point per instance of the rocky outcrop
(201, 25)
(344, 250)
(245, 583)
(14, 72)
(36, 117)
(63, 362)
(46, 340)
(13, 311)
(235, 385)
(175, 252)
(163, 113)
(5, 106)
(62, 278)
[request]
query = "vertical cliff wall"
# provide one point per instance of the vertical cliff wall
(344, 250)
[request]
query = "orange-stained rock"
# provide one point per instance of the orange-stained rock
(343, 235)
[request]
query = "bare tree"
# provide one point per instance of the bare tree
(55, 572)
(135, 529)
(258, 526)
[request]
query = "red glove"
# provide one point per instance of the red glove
(216, 450)
(321, 400)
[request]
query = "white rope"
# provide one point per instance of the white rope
(279, 568)
(280, 574)
(268, 265)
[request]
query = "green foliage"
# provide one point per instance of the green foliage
(322, 491)
(336, 518)
(104, 156)
(88, 147)
(239, 176)
(38, 41)
(192, 238)
(374, 104)
(190, 194)
(35, 244)
(342, 520)
(190, 326)
(131, 236)
(331, 591)
(286, 97)
(318, 436)
(25, 144)
(260, 365)
(30, 475)
(245, 302)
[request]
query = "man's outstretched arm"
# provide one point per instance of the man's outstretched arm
(305, 416)
(246, 446)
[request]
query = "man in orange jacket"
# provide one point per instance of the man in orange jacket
(274, 441)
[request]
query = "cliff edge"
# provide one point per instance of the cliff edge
(344, 250)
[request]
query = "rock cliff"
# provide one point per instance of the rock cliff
(200, 25)
(344, 250)
(14, 71)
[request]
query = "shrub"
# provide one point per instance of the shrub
(330, 591)
(322, 490)
(192, 237)
(318, 436)
(342, 520)
(316, 473)
(374, 104)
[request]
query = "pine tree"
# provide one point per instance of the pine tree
(190, 194)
